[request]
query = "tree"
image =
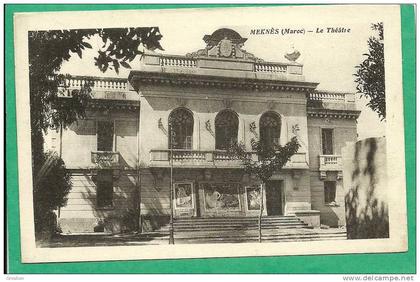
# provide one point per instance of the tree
(47, 52)
(370, 74)
(270, 159)
(50, 192)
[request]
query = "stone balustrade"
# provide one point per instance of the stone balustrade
(207, 159)
(105, 159)
(102, 88)
(328, 96)
(270, 67)
(96, 83)
(184, 62)
(330, 163)
(178, 61)
(186, 155)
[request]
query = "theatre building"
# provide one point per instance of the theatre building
(122, 154)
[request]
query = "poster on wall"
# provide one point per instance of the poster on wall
(183, 196)
(253, 197)
(221, 196)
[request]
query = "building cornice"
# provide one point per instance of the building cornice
(137, 78)
(114, 104)
(107, 104)
(329, 113)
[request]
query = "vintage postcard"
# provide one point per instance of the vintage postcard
(217, 132)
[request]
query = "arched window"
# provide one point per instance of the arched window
(181, 123)
(226, 125)
(270, 124)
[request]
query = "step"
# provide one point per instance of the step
(233, 221)
(249, 234)
(273, 225)
(234, 228)
(245, 224)
(236, 222)
(235, 218)
(255, 239)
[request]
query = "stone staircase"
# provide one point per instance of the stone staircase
(245, 229)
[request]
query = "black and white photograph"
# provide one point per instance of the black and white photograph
(210, 132)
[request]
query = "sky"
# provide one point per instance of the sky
(327, 58)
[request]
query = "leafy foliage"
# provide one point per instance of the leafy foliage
(47, 52)
(270, 158)
(50, 190)
(370, 74)
(49, 49)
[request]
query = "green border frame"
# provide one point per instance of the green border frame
(345, 264)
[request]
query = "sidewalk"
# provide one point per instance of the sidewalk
(198, 237)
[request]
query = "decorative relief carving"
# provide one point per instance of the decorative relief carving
(226, 48)
(295, 129)
(162, 127)
(225, 43)
(271, 105)
(293, 55)
(296, 174)
(182, 102)
(208, 127)
(207, 174)
(227, 103)
(253, 128)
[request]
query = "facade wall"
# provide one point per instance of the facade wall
(344, 130)
(158, 102)
(331, 215)
(82, 214)
(155, 194)
(80, 139)
(303, 189)
(205, 83)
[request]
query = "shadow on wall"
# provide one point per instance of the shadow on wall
(156, 186)
(120, 218)
(330, 217)
(365, 182)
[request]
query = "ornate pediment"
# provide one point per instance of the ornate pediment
(225, 43)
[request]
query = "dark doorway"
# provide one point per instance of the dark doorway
(274, 197)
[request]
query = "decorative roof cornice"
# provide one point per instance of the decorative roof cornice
(336, 114)
(102, 104)
(138, 78)
(108, 104)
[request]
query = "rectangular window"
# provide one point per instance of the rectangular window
(104, 189)
(327, 141)
(329, 191)
(105, 133)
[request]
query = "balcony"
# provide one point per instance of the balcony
(106, 159)
(211, 159)
(330, 163)
(323, 104)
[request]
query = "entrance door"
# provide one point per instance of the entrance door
(274, 197)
